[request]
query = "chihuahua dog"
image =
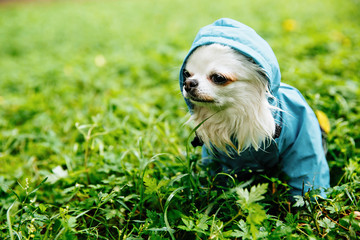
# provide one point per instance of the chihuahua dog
(246, 117)
(230, 97)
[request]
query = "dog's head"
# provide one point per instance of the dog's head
(218, 76)
(229, 93)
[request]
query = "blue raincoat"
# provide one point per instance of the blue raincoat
(298, 149)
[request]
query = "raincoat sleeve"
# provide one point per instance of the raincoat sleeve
(302, 155)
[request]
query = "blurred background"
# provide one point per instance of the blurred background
(113, 65)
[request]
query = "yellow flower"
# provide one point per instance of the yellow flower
(289, 25)
(323, 121)
(100, 60)
(346, 42)
(341, 38)
(68, 70)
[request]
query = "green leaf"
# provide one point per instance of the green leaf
(189, 224)
(247, 201)
(327, 224)
(42, 207)
(299, 201)
(162, 183)
(243, 195)
(110, 214)
(202, 222)
(243, 233)
(150, 184)
(71, 222)
(256, 194)
(256, 214)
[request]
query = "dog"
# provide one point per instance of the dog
(246, 118)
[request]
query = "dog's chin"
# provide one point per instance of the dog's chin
(200, 99)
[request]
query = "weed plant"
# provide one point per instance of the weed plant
(92, 137)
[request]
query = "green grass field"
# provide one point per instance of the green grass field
(92, 137)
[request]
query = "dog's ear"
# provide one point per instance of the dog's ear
(251, 60)
(262, 73)
(260, 70)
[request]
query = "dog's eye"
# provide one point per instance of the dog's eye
(186, 74)
(218, 79)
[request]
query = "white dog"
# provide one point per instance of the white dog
(247, 118)
(231, 94)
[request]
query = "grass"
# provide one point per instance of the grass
(92, 141)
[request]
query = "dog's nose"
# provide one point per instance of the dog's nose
(190, 84)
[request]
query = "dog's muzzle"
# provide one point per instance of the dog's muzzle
(190, 85)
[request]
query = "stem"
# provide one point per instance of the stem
(87, 152)
(240, 213)
(299, 229)
(345, 228)
(9, 221)
(160, 201)
(92, 218)
(86, 160)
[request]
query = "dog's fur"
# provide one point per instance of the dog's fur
(230, 94)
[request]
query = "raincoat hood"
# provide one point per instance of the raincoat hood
(242, 38)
